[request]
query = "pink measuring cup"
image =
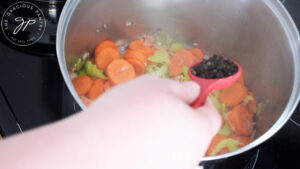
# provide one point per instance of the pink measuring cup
(208, 85)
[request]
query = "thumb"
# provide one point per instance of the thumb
(185, 91)
(209, 112)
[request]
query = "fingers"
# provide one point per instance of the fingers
(209, 112)
(185, 91)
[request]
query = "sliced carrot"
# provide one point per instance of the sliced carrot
(180, 59)
(82, 85)
(139, 67)
(119, 70)
(107, 85)
(242, 140)
(105, 57)
(133, 54)
(197, 53)
(215, 141)
(85, 101)
(252, 105)
(103, 45)
(233, 95)
(241, 79)
(240, 121)
(96, 90)
(142, 46)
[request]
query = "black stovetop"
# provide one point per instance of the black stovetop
(33, 93)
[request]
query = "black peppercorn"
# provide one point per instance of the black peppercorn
(215, 67)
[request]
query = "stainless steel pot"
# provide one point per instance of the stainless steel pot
(259, 34)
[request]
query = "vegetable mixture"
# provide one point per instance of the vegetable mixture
(117, 62)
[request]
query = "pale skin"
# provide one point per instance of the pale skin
(146, 123)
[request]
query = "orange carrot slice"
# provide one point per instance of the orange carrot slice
(119, 70)
(139, 67)
(233, 95)
(240, 121)
(107, 85)
(85, 101)
(142, 46)
(96, 90)
(252, 105)
(82, 85)
(106, 56)
(215, 141)
(133, 54)
(103, 45)
(197, 53)
(180, 59)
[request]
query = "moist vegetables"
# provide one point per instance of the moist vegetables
(180, 59)
(115, 63)
(234, 94)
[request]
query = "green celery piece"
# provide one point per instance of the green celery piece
(225, 130)
(185, 73)
(160, 56)
(82, 72)
(157, 70)
(223, 109)
(216, 103)
(93, 71)
(231, 144)
(164, 39)
(216, 93)
(247, 100)
(176, 47)
(79, 64)
(259, 109)
(151, 68)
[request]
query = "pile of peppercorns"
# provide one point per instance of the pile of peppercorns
(215, 67)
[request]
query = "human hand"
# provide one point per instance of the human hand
(148, 123)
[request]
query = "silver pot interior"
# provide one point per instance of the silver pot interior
(258, 34)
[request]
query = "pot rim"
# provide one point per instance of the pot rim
(290, 30)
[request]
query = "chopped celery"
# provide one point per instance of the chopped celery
(151, 68)
(158, 70)
(216, 93)
(93, 71)
(164, 39)
(225, 130)
(185, 73)
(247, 100)
(227, 143)
(176, 47)
(79, 64)
(216, 103)
(232, 144)
(259, 109)
(223, 109)
(160, 56)
(82, 72)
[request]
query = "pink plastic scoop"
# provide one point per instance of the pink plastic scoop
(208, 85)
